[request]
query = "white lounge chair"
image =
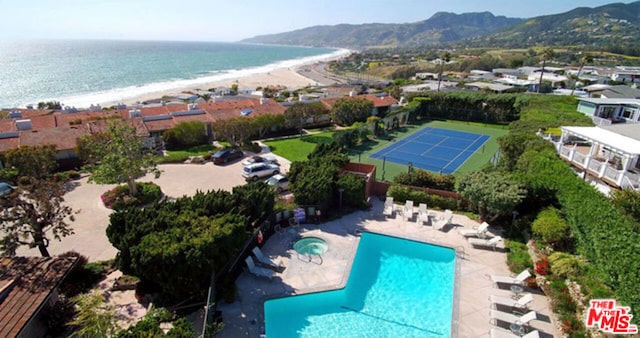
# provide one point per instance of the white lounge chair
(388, 207)
(497, 333)
(442, 222)
(479, 231)
(423, 216)
(407, 213)
(521, 303)
(264, 259)
(257, 271)
(511, 318)
(518, 280)
(488, 243)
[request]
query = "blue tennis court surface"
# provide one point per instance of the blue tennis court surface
(433, 149)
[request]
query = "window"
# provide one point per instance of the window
(628, 113)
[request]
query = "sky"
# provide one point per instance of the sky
(233, 20)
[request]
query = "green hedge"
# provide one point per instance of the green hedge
(473, 107)
(401, 194)
(425, 179)
(604, 236)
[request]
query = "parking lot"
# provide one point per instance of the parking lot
(92, 217)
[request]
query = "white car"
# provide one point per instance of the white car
(255, 171)
(279, 182)
(260, 159)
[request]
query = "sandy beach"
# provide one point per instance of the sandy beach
(291, 78)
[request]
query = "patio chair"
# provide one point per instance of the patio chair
(444, 220)
(522, 303)
(388, 207)
(407, 214)
(486, 243)
(518, 280)
(423, 217)
(264, 259)
(511, 318)
(497, 333)
(257, 271)
(478, 231)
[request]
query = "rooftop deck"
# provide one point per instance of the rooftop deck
(244, 317)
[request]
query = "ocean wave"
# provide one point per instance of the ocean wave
(136, 91)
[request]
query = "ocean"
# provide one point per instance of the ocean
(82, 72)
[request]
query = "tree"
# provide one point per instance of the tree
(587, 58)
(33, 161)
(236, 130)
(234, 88)
(546, 55)
(296, 116)
(185, 134)
(492, 194)
(118, 156)
(94, 318)
(32, 210)
(445, 58)
(267, 122)
(346, 111)
(49, 105)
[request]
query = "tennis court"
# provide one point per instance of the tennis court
(433, 149)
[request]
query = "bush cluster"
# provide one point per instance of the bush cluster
(550, 227)
(400, 194)
(425, 179)
(118, 198)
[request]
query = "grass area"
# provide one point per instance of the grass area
(175, 156)
(297, 149)
(386, 171)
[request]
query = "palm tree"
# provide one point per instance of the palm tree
(547, 54)
(587, 58)
(445, 58)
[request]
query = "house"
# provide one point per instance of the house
(493, 87)
(609, 153)
(626, 74)
(608, 111)
(382, 103)
(28, 286)
(613, 92)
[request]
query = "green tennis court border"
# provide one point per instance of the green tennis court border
(478, 160)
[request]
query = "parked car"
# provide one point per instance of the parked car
(260, 159)
(280, 182)
(255, 171)
(226, 155)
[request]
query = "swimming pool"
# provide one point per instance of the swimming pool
(396, 288)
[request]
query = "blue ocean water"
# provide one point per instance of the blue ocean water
(396, 288)
(83, 72)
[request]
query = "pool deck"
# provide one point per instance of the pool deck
(244, 317)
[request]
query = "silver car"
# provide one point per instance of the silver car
(255, 171)
(280, 182)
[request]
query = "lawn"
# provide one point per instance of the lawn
(297, 148)
(387, 170)
(174, 156)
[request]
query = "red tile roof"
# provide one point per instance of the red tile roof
(230, 109)
(25, 285)
(7, 144)
(74, 118)
(64, 138)
(378, 101)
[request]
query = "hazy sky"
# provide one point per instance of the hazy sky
(232, 20)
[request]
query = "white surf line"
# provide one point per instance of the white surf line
(462, 152)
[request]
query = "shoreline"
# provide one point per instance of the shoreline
(287, 73)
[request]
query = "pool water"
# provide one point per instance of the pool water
(396, 288)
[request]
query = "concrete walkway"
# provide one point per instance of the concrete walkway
(244, 317)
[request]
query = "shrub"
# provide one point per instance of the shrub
(565, 265)
(82, 277)
(118, 198)
(185, 134)
(424, 179)
(518, 257)
(550, 227)
(354, 190)
(401, 194)
(542, 267)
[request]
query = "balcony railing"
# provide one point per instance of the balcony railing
(579, 158)
(566, 152)
(595, 166)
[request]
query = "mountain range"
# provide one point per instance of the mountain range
(604, 26)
